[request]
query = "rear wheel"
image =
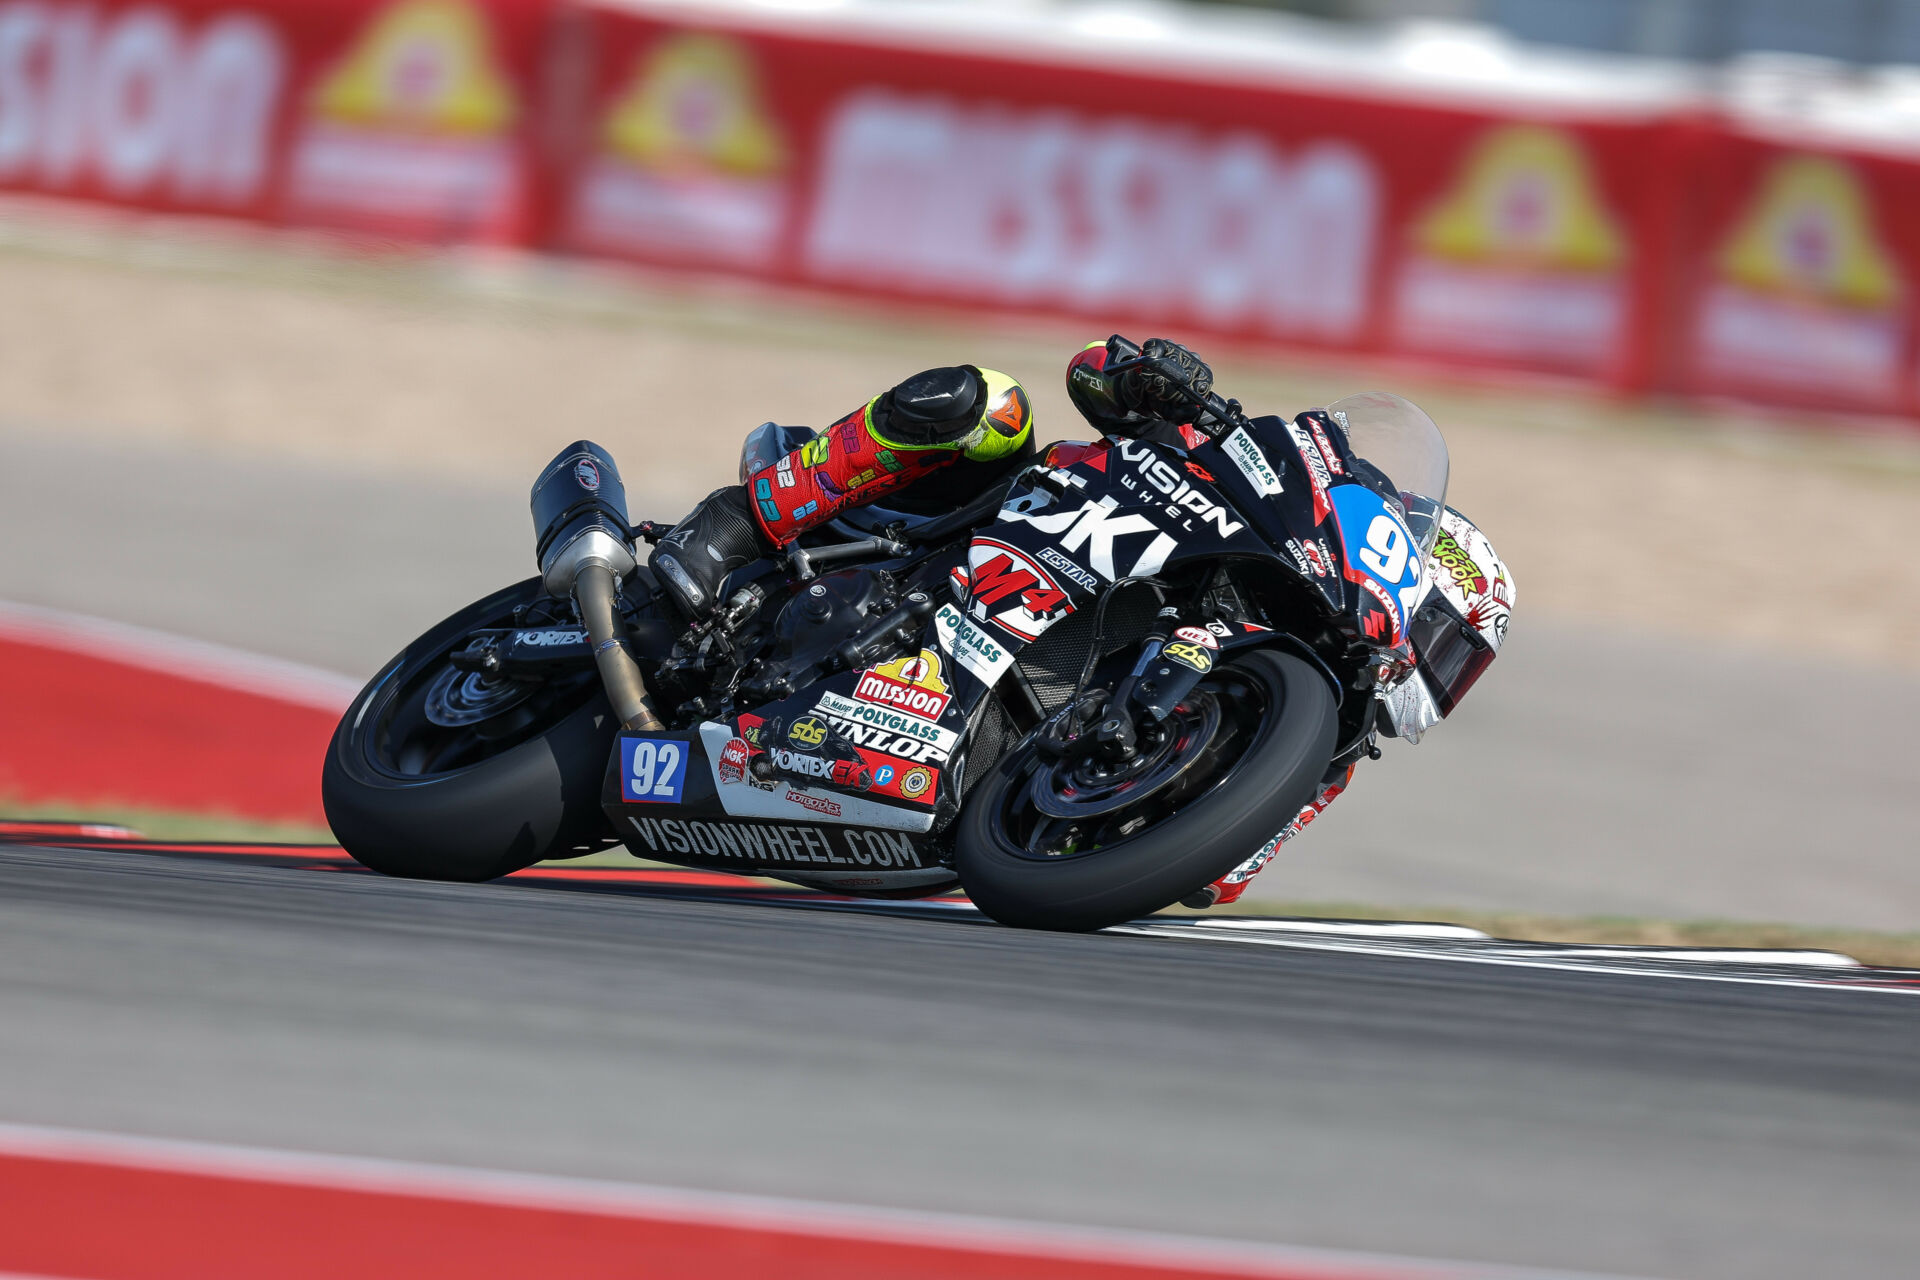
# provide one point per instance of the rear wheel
(1074, 845)
(441, 774)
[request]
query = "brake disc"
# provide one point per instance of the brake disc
(460, 698)
(1079, 790)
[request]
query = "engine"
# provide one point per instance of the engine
(816, 623)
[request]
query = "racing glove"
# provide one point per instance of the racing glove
(1154, 386)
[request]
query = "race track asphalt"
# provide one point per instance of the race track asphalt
(1591, 772)
(1624, 1124)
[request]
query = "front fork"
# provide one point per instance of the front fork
(1161, 678)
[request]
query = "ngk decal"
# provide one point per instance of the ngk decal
(1102, 213)
(1011, 591)
(1181, 496)
(733, 760)
(141, 102)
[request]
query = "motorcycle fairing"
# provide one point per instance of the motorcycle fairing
(744, 795)
(1382, 561)
(844, 852)
(1249, 462)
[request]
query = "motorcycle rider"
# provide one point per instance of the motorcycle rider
(945, 433)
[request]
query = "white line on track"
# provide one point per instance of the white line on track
(1655, 962)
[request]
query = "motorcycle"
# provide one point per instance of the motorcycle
(1110, 679)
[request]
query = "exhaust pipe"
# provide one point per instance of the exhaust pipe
(580, 519)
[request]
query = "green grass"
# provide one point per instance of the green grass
(161, 824)
(1900, 950)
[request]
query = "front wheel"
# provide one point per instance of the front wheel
(1050, 845)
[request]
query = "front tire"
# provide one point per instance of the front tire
(411, 797)
(1263, 775)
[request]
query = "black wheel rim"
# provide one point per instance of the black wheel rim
(1200, 750)
(430, 719)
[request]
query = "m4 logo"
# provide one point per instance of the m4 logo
(1011, 591)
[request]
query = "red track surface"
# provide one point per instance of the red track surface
(83, 728)
(116, 1209)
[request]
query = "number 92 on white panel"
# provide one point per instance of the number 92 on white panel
(653, 770)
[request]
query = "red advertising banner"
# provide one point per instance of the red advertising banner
(1797, 276)
(395, 117)
(1634, 249)
(1254, 210)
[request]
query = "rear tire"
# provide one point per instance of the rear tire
(534, 798)
(1261, 790)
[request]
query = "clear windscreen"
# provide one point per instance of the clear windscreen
(1401, 441)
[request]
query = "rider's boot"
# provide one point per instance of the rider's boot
(717, 537)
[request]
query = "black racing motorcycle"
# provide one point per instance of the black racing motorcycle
(1081, 697)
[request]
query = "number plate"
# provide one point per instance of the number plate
(1379, 544)
(653, 770)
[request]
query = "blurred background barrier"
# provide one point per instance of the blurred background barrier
(1435, 194)
(405, 119)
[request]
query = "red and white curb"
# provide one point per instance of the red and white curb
(177, 656)
(111, 1207)
(105, 715)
